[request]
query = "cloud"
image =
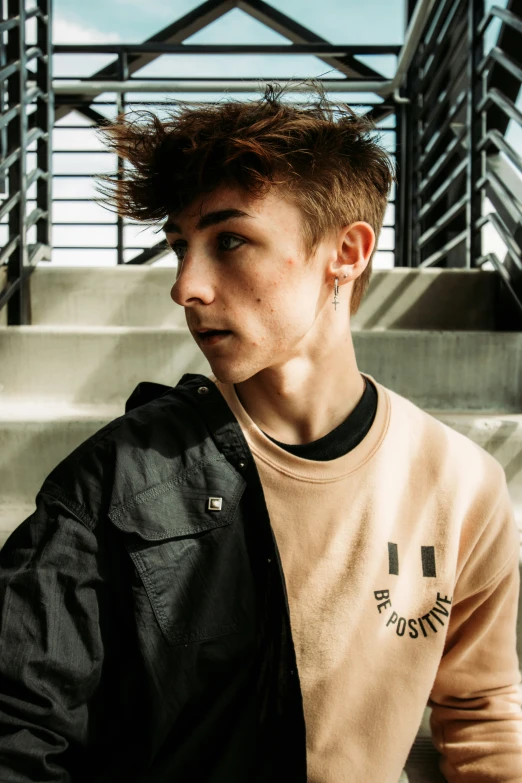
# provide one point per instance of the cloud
(68, 31)
(65, 31)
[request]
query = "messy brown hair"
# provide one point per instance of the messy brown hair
(323, 155)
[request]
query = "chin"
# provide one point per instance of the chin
(232, 372)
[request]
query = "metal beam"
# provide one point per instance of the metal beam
(313, 49)
(410, 8)
(93, 89)
(297, 33)
(92, 114)
(413, 37)
(380, 112)
(208, 12)
(150, 254)
(176, 32)
(85, 109)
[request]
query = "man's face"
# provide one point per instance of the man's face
(245, 277)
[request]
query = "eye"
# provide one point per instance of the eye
(179, 248)
(229, 242)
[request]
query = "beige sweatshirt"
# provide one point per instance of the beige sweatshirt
(401, 565)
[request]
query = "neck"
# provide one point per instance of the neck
(305, 398)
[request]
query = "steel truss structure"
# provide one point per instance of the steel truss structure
(451, 105)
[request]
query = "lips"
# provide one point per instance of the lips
(212, 336)
(208, 332)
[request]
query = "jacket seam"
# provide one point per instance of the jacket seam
(223, 521)
(94, 441)
(152, 492)
(74, 508)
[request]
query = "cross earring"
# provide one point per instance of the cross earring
(336, 292)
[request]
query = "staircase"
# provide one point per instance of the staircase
(427, 334)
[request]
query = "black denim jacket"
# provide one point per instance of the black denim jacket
(145, 632)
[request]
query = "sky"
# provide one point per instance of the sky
(339, 21)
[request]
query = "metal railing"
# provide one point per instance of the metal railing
(118, 87)
(448, 112)
(461, 177)
(83, 103)
(26, 112)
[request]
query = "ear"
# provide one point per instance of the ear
(354, 249)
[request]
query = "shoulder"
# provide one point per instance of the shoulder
(142, 448)
(463, 484)
(443, 459)
(440, 437)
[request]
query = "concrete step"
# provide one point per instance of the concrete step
(67, 376)
(140, 296)
(501, 436)
(422, 765)
(91, 365)
(34, 439)
(473, 371)
(11, 516)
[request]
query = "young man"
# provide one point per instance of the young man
(263, 575)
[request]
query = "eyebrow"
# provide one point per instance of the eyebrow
(210, 219)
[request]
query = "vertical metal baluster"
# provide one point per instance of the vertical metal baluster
(473, 120)
(123, 75)
(45, 121)
(414, 129)
(403, 224)
(3, 107)
(18, 308)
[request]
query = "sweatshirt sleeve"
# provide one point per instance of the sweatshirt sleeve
(476, 719)
(51, 651)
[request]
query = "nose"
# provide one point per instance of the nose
(193, 284)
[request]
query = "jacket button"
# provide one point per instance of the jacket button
(242, 465)
(203, 390)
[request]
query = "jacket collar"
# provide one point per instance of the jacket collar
(201, 392)
(220, 421)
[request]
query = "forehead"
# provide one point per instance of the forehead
(275, 205)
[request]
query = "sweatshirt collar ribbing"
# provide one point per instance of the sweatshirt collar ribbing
(298, 468)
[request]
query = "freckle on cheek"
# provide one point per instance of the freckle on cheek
(258, 300)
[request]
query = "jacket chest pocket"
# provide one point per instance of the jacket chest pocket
(188, 555)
